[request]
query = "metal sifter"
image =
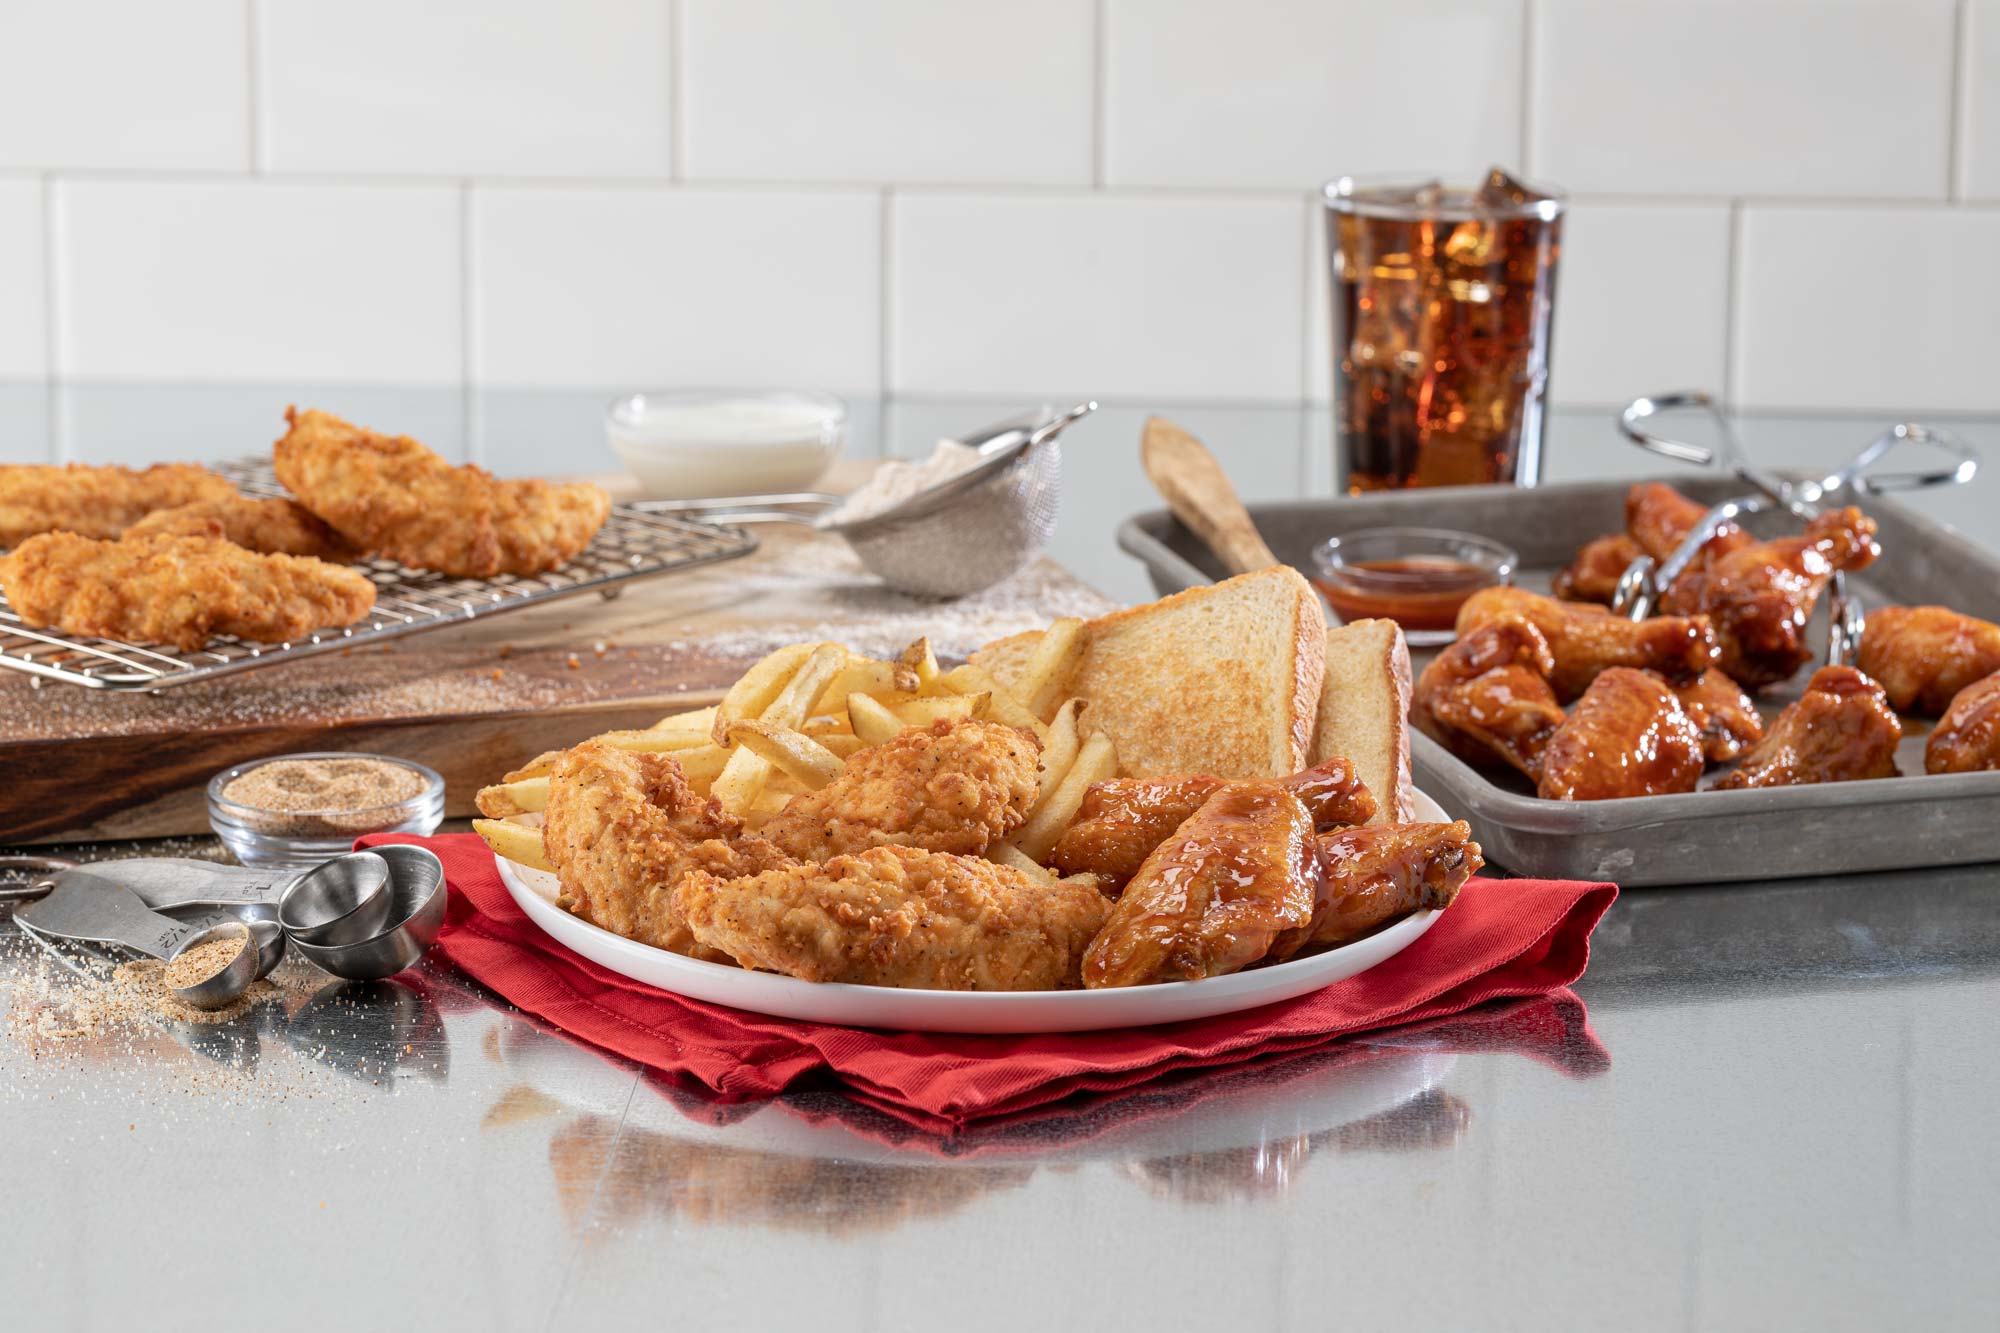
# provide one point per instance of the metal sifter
(960, 536)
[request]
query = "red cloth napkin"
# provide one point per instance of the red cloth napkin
(1502, 938)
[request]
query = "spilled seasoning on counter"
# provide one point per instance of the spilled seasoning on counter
(310, 796)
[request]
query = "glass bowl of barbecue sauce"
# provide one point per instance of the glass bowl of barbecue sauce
(1417, 577)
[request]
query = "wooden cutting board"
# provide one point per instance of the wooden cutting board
(473, 701)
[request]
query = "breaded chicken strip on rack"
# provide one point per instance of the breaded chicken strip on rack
(177, 590)
(391, 495)
(898, 916)
(96, 501)
(273, 527)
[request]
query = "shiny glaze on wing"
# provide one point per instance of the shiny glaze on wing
(1840, 730)
(1627, 736)
(1593, 575)
(1384, 871)
(1968, 739)
(1584, 639)
(1487, 696)
(1728, 718)
(1924, 655)
(1237, 884)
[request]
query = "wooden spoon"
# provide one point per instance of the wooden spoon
(1196, 488)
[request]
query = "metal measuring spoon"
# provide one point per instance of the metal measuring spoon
(85, 906)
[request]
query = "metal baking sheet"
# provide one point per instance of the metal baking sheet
(1702, 837)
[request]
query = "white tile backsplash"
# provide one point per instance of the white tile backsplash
(88, 84)
(1886, 309)
(1979, 149)
(1757, 97)
(1109, 197)
(1106, 295)
(467, 87)
(660, 287)
(24, 339)
(148, 423)
(1289, 93)
(247, 282)
(889, 90)
(1642, 301)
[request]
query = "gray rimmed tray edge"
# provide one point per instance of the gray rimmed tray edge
(1698, 838)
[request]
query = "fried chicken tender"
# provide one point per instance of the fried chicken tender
(898, 916)
(959, 786)
(1121, 821)
(1841, 729)
(1584, 639)
(96, 501)
(273, 527)
(1384, 871)
(1627, 736)
(177, 590)
(623, 828)
(1237, 884)
(393, 496)
(1925, 655)
(1967, 740)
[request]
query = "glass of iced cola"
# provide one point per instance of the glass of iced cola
(1443, 297)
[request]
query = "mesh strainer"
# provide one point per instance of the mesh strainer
(958, 537)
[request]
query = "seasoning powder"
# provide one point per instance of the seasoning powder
(193, 966)
(303, 797)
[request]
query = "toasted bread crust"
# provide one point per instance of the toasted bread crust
(1363, 713)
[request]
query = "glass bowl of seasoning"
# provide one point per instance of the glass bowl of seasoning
(301, 809)
(1417, 577)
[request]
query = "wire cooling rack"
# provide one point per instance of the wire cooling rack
(631, 545)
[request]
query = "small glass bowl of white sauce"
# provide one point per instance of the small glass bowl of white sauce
(691, 444)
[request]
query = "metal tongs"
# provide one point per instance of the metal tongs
(1644, 581)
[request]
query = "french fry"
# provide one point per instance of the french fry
(701, 719)
(516, 842)
(1001, 706)
(702, 766)
(1007, 854)
(1050, 667)
(844, 744)
(792, 752)
(768, 803)
(754, 692)
(924, 665)
(1096, 761)
(922, 712)
(653, 742)
(1059, 751)
(524, 796)
(865, 675)
(872, 721)
(742, 778)
(540, 766)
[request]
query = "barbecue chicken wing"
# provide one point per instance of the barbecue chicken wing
(1375, 874)
(1761, 596)
(1627, 736)
(1487, 696)
(1121, 821)
(1658, 519)
(1841, 729)
(1968, 739)
(622, 829)
(1593, 575)
(1924, 655)
(899, 916)
(957, 786)
(1236, 884)
(1727, 717)
(1584, 640)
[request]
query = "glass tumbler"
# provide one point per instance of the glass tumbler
(1443, 300)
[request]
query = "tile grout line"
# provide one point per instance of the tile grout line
(1530, 16)
(468, 316)
(1100, 63)
(1957, 161)
(676, 90)
(590, 1209)
(253, 89)
(52, 322)
(1306, 325)
(1732, 308)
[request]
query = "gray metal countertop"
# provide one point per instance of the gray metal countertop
(1767, 1110)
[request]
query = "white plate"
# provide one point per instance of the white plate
(958, 1011)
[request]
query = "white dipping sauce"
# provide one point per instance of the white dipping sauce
(697, 444)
